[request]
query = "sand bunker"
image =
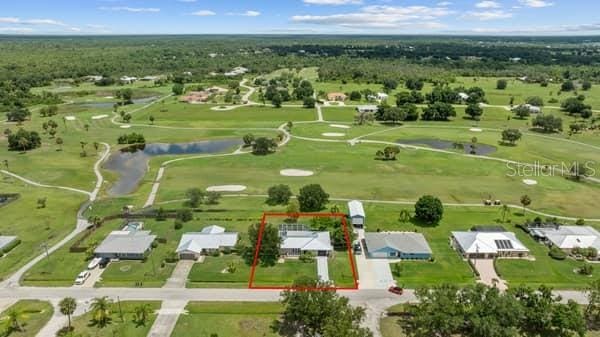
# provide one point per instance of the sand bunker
(227, 188)
(333, 134)
(224, 108)
(296, 173)
(530, 182)
(70, 118)
(109, 97)
(339, 126)
(475, 130)
(100, 117)
(125, 126)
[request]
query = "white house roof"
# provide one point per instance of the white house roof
(305, 240)
(126, 242)
(212, 237)
(6, 240)
(463, 95)
(488, 242)
(569, 237)
(356, 208)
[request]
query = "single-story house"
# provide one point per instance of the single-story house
(6, 242)
(211, 239)
(367, 108)
(397, 245)
(298, 239)
(126, 245)
(382, 96)
(487, 245)
(336, 96)
(128, 79)
(533, 109)
(356, 213)
(568, 238)
(463, 96)
(195, 97)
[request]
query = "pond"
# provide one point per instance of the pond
(105, 105)
(479, 149)
(131, 163)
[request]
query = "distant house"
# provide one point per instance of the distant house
(397, 245)
(149, 78)
(126, 245)
(128, 79)
(195, 97)
(94, 78)
(298, 239)
(381, 96)
(367, 108)
(7, 242)
(211, 239)
(463, 96)
(532, 108)
(568, 238)
(356, 213)
(488, 244)
(237, 71)
(336, 97)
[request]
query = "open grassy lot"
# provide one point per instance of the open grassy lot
(32, 225)
(172, 112)
(353, 172)
(210, 273)
(205, 319)
(340, 270)
(32, 316)
(85, 326)
(544, 270)
(284, 274)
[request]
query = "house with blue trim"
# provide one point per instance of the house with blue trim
(397, 245)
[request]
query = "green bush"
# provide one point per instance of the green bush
(557, 254)
(587, 269)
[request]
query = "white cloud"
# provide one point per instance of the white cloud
(131, 9)
(246, 13)
(33, 22)
(488, 4)
(381, 17)
(536, 3)
(204, 12)
(16, 30)
(444, 4)
(333, 2)
(488, 15)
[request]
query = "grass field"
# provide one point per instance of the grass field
(34, 226)
(32, 316)
(84, 325)
(210, 273)
(206, 319)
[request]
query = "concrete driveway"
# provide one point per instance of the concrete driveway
(180, 274)
(373, 273)
(488, 275)
(167, 318)
(95, 276)
(323, 268)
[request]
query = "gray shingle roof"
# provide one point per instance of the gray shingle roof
(123, 242)
(406, 242)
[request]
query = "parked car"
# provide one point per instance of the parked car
(103, 262)
(357, 248)
(396, 290)
(82, 277)
(94, 263)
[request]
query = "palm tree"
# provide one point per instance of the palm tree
(67, 307)
(13, 322)
(24, 143)
(141, 313)
(101, 311)
(505, 211)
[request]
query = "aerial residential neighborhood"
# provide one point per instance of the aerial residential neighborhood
(301, 168)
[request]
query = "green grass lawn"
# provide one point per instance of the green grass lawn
(347, 172)
(85, 327)
(32, 316)
(284, 274)
(340, 270)
(228, 319)
(544, 270)
(32, 225)
(210, 273)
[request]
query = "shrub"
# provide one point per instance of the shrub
(557, 254)
(587, 269)
(307, 257)
(178, 225)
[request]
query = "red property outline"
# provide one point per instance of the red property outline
(298, 215)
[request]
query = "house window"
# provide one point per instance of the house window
(393, 254)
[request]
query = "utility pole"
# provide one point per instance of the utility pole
(45, 247)
(120, 310)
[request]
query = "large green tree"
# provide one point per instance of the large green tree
(279, 195)
(312, 198)
(429, 209)
(268, 253)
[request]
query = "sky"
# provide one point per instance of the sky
(481, 17)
